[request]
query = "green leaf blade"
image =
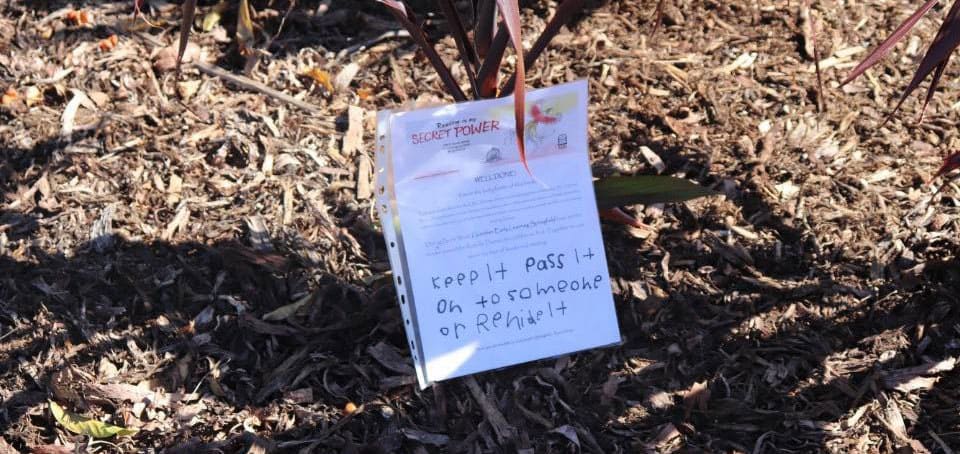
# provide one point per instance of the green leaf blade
(646, 190)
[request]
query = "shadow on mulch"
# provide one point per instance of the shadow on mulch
(157, 311)
(784, 355)
(785, 341)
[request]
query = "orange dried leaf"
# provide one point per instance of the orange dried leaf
(322, 78)
(349, 409)
(9, 97)
(79, 18)
(108, 43)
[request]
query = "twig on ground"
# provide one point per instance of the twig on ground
(359, 47)
(252, 85)
(501, 427)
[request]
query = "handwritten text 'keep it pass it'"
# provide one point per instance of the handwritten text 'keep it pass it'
(497, 307)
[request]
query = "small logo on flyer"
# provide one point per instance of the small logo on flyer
(493, 155)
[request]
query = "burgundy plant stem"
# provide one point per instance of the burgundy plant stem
(564, 14)
(408, 20)
(487, 75)
(189, 8)
(658, 17)
(816, 65)
(468, 54)
(485, 21)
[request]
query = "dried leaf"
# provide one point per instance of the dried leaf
(321, 77)
(170, 57)
(569, 432)
(388, 357)
(426, 438)
(9, 97)
(212, 19)
(86, 426)
(80, 18)
(108, 43)
(696, 397)
(610, 389)
(285, 312)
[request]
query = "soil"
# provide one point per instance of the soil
(199, 260)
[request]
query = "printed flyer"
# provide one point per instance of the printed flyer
(494, 266)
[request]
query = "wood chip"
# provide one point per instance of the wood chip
(68, 118)
(178, 223)
(917, 378)
(364, 177)
(353, 140)
(653, 159)
(345, 76)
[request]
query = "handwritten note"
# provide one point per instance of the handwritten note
(500, 267)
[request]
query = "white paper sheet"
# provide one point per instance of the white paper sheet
(501, 268)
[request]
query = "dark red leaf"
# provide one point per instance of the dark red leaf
(947, 40)
(511, 19)
(887, 45)
(934, 82)
(950, 164)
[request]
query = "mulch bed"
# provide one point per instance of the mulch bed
(200, 260)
